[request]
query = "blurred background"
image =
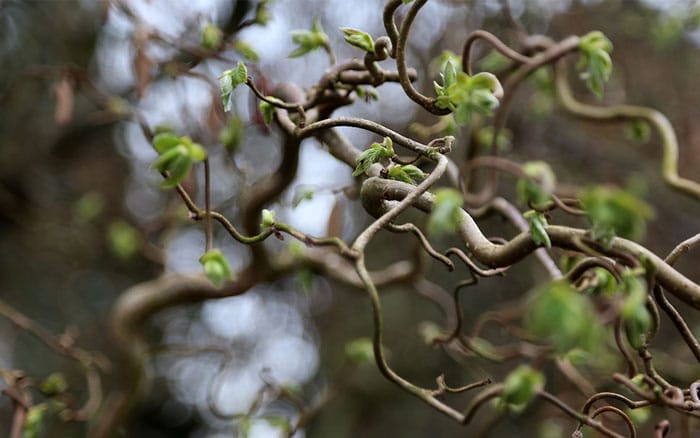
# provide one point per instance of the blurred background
(82, 216)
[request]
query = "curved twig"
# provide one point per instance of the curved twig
(669, 142)
(496, 43)
(412, 228)
(376, 191)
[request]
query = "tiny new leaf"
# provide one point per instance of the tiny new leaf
(595, 60)
(375, 153)
(359, 39)
(308, 41)
(229, 80)
(407, 173)
(176, 157)
(537, 223)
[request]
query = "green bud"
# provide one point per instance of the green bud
(268, 218)
(212, 37)
(216, 267)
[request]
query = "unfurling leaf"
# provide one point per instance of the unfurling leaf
(308, 41)
(359, 39)
(176, 157)
(360, 351)
(440, 62)
(407, 173)
(375, 153)
(521, 385)
(229, 80)
(464, 94)
(595, 60)
(538, 222)
(216, 267)
(447, 212)
(268, 218)
(267, 109)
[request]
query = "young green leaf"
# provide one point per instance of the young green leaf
(488, 82)
(358, 39)
(408, 173)
(447, 212)
(413, 172)
(375, 153)
(165, 141)
(268, 111)
(465, 95)
(537, 223)
(216, 267)
(438, 64)
(308, 41)
(229, 80)
(262, 13)
(449, 74)
(521, 385)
